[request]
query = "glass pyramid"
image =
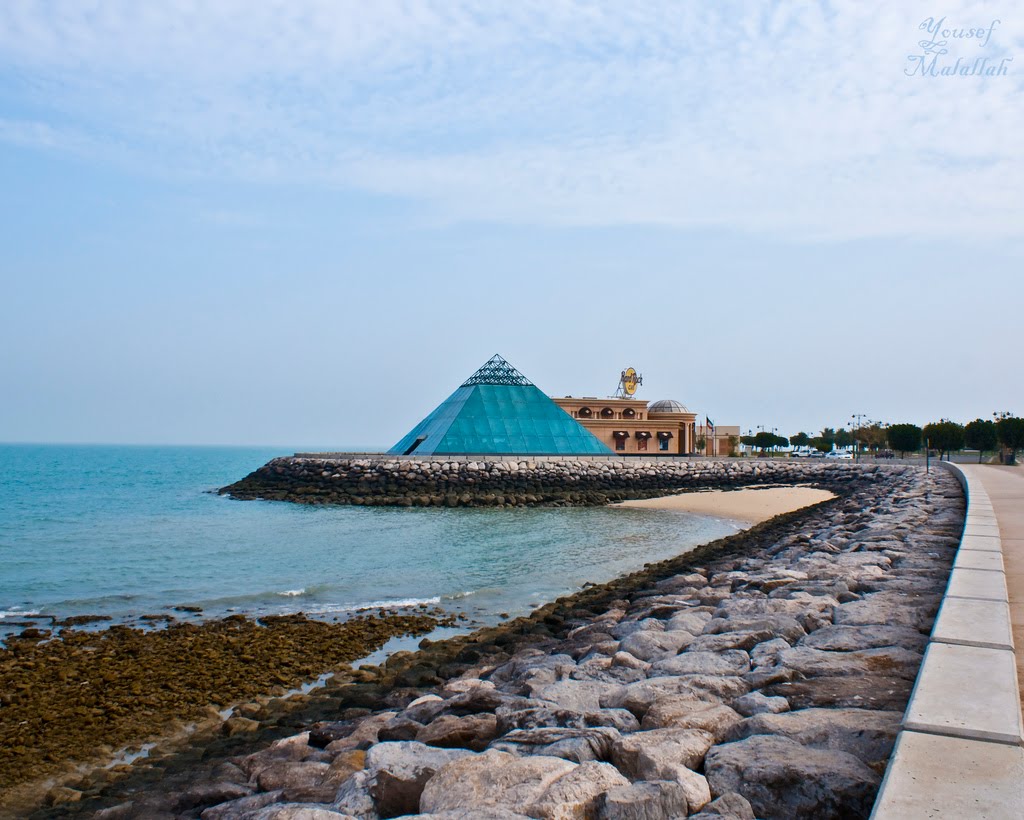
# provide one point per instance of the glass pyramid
(498, 411)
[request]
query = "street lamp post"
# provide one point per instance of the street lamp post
(855, 420)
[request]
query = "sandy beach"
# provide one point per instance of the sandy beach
(751, 505)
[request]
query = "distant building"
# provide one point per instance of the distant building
(628, 425)
(498, 411)
(723, 440)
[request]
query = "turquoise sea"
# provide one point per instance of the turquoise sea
(127, 531)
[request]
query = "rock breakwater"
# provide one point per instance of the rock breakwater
(500, 482)
(763, 675)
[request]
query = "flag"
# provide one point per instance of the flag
(709, 423)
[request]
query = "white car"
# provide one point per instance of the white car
(839, 454)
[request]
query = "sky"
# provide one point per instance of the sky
(305, 223)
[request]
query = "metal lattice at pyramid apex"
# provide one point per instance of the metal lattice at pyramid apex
(497, 371)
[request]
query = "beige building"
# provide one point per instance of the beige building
(629, 425)
(723, 440)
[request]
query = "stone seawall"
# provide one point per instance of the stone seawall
(763, 675)
(503, 481)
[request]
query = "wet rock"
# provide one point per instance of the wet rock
(729, 662)
(783, 779)
(492, 780)
(299, 780)
(399, 728)
(210, 794)
(294, 748)
(470, 732)
(397, 773)
(868, 735)
(326, 732)
(364, 735)
(233, 809)
(649, 800)
(649, 755)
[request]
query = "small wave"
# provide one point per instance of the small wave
(397, 603)
(17, 613)
(455, 596)
(292, 593)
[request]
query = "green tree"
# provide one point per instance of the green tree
(800, 440)
(821, 444)
(843, 438)
(873, 436)
(981, 435)
(1011, 433)
(904, 437)
(733, 441)
(764, 440)
(747, 441)
(702, 442)
(945, 436)
(829, 435)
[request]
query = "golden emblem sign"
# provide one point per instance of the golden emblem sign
(630, 381)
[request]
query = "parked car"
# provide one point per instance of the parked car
(839, 454)
(815, 454)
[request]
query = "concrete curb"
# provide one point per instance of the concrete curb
(959, 752)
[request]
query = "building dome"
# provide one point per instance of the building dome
(667, 406)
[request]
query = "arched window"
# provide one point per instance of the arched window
(607, 413)
(585, 413)
(628, 413)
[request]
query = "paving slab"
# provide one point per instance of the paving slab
(982, 542)
(977, 583)
(966, 691)
(991, 560)
(974, 623)
(1004, 489)
(981, 529)
(945, 777)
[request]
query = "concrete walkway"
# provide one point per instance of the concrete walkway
(960, 750)
(1005, 488)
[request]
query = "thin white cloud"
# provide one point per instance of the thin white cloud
(793, 118)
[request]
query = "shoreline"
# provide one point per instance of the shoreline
(748, 505)
(399, 672)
